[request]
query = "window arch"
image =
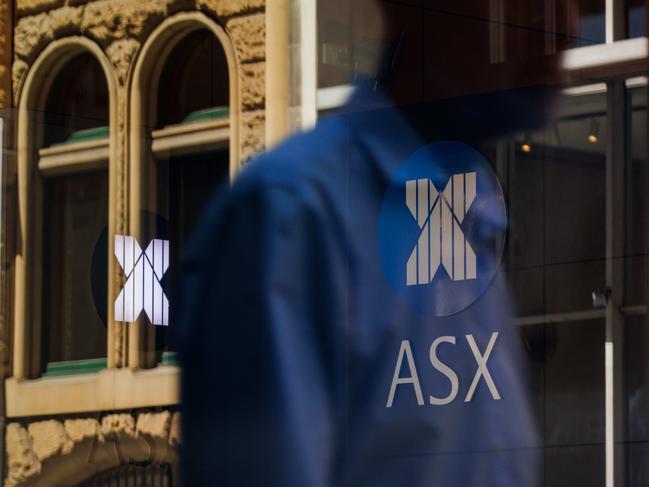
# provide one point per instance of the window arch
(194, 78)
(183, 142)
(65, 149)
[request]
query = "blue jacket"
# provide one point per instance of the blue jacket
(291, 335)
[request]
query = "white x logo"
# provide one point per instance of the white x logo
(441, 241)
(144, 271)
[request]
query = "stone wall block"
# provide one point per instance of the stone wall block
(6, 35)
(22, 462)
(253, 135)
(27, 7)
(110, 20)
(155, 425)
(47, 451)
(31, 34)
(248, 35)
(153, 428)
(4, 95)
(121, 54)
(229, 8)
(174, 430)
(118, 424)
(79, 430)
(49, 438)
(253, 85)
(66, 20)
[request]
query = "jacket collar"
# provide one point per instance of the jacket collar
(380, 128)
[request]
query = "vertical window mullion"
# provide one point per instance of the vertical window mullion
(615, 14)
(615, 198)
(309, 62)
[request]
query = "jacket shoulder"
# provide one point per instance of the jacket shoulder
(315, 157)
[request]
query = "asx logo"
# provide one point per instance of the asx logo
(441, 241)
(144, 271)
(481, 371)
(441, 228)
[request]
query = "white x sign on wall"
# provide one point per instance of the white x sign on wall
(144, 271)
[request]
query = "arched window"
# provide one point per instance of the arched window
(77, 101)
(71, 138)
(193, 90)
(194, 83)
(185, 116)
(193, 93)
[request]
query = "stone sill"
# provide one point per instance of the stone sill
(189, 138)
(109, 389)
(74, 157)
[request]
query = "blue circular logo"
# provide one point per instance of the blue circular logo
(442, 228)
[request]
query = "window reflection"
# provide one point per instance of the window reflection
(636, 11)
(73, 168)
(635, 330)
(555, 258)
(592, 23)
(190, 143)
(76, 210)
(557, 204)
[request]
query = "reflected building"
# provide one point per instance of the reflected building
(120, 119)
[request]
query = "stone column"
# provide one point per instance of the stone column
(6, 34)
(277, 70)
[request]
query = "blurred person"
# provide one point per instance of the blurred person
(342, 319)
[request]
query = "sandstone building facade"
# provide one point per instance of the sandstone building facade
(110, 412)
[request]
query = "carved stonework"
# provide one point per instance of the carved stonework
(253, 86)
(28, 7)
(5, 53)
(79, 430)
(248, 35)
(49, 438)
(252, 134)
(48, 452)
(66, 20)
(22, 462)
(230, 8)
(110, 20)
(121, 53)
(32, 35)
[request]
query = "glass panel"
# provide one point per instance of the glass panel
(189, 181)
(570, 381)
(355, 322)
(635, 336)
(194, 78)
(591, 21)
(193, 179)
(557, 208)
(194, 93)
(76, 215)
(77, 103)
(637, 201)
(334, 39)
(555, 258)
(74, 219)
(636, 11)
(469, 37)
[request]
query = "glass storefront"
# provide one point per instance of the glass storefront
(380, 242)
